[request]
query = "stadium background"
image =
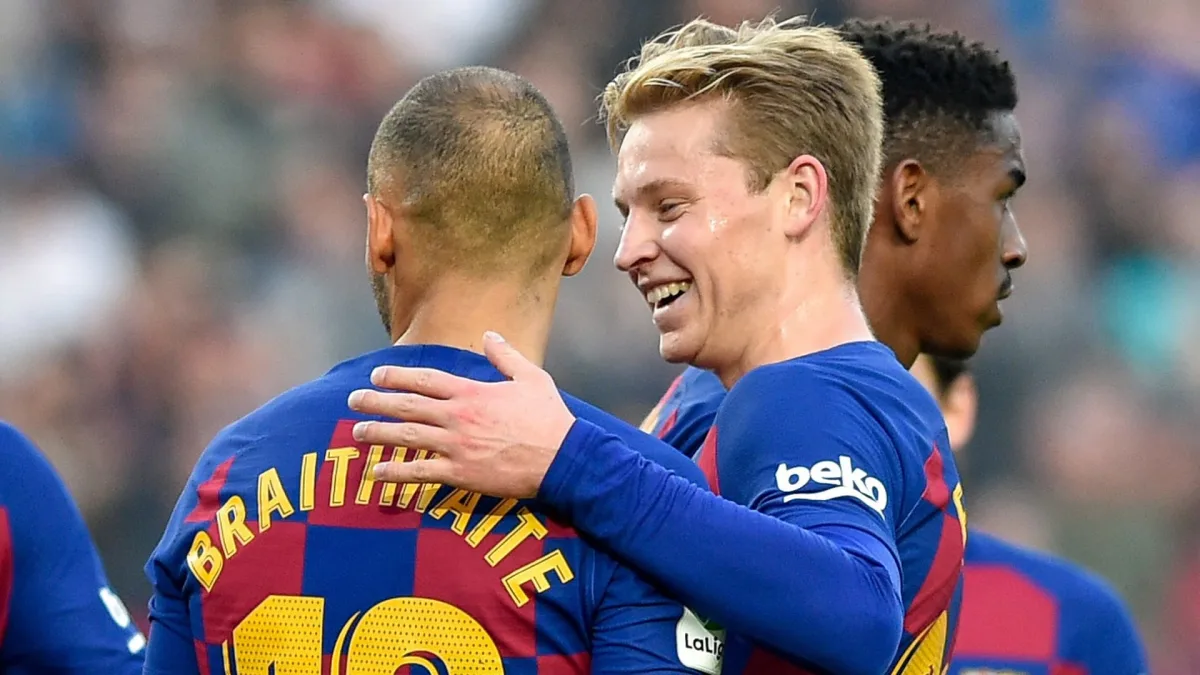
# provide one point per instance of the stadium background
(181, 238)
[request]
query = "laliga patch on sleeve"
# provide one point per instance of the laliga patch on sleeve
(700, 644)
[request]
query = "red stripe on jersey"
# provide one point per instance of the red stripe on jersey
(651, 423)
(327, 664)
(450, 570)
(1006, 616)
(379, 513)
(6, 570)
(670, 390)
(936, 491)
(763, 662)
(574, 664)
(940, 582)
(271, 564)
(210, 494)
(669, 423)
(1068, 669)
(202, 657)
(708, 460)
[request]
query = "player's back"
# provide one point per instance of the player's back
(921, 507)
(1032, 613)
(285, 552)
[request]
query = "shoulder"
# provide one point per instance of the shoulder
(25, 470)
(851, 385)
(698, 396)
(697, 384)
(1076, 588)
(311, 415)
(17, 447)
(649, 446)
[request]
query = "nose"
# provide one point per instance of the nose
(638, 244)
(1015, 251)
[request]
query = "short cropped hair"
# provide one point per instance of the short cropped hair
(793, 89)
(478, 161)
(938, 88)
(946, 372)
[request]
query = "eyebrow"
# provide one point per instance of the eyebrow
(658, 185)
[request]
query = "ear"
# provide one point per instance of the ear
(583, 235)
(808, 188)
(911, 188)
(381, 244)
(960, 404)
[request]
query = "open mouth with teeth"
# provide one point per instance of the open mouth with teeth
(664, 295)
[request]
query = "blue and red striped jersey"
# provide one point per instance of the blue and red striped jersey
(685, 413)
(843, 436)
(1029, 613)
(57, 613)
(284, 555)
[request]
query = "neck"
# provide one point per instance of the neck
(457, 312)
(815, 311)
(884, 301)
(889, 325)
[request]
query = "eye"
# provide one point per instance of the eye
(669, 210)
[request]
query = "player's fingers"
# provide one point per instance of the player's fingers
(426, 381)
(436, 470)
(506, 358)
(408, 435)
(401, 406)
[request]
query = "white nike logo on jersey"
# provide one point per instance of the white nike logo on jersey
(842, 479)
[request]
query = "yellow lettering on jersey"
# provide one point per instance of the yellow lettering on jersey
(204, 560)
(308, 481)
(271, 499)
(341, 468)
(387, 496)
(527, 526)
(537, 573)
(428, 490)
(367, 482)
(231, 526)
(927, 653)
(962, 511)
(462, 504)
(485, 526)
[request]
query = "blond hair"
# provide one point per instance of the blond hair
(793, 89)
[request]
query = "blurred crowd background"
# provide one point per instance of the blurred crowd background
(181, 238)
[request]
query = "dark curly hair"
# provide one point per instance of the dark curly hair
(938, 88)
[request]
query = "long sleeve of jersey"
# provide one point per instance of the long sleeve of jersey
(811, 575)
(61, 615)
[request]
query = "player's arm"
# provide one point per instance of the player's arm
(63, 618)
(638, 630)
(171, 648)
(753, 572)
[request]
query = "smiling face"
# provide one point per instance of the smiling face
(700, 244)
(973, 243)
